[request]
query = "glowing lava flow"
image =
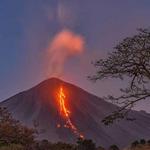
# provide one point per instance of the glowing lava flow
(65, 113)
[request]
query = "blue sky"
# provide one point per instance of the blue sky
(27, 26)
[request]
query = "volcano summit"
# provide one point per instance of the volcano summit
(39, 106)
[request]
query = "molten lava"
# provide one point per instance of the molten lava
(65, 113)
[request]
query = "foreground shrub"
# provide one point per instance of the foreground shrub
(12, 147)
(134, 144)
(62, 146)
(100, 148)
(85, 144)
(142, 141)
(13, 132)
(148, 142)
(113, 147)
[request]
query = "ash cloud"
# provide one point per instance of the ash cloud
(64, 45)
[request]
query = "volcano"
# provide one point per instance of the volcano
(39, 107)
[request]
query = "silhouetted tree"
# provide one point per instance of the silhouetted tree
(12, 132)
(148, 142)
(130, 60)
(134, 144)
(100, 148)
(62, 146)
(142, 141)
(43, 145)
(113, 147)
(85, 144)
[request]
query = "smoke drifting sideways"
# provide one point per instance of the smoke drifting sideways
(64, 45)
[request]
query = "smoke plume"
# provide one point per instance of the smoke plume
(64, 44)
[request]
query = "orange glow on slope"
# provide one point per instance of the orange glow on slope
(65, 113)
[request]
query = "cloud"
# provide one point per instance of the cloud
(64, 44)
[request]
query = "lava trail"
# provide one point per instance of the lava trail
(65, 113)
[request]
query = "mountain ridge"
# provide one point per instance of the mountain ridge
(40, 104)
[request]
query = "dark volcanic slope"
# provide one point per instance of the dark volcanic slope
(39, 105)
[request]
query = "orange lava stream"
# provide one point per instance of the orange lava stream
(65, 112)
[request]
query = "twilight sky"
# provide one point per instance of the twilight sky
(28, 28)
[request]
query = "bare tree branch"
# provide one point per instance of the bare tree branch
(129, 60)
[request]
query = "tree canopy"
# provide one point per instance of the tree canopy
(129, 61)
(85, 144)
(13, 132)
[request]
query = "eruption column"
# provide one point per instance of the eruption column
(65, 113)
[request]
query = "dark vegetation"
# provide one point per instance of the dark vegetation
(13, 132)
(129, 61)
(15, 136)
(138, 144)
